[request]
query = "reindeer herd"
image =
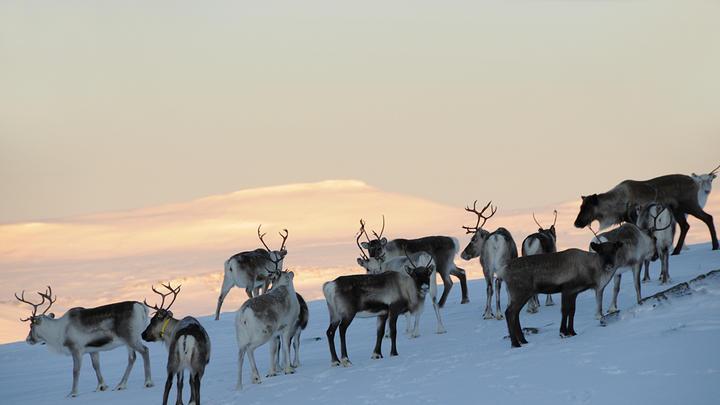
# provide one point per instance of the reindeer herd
(399, 274)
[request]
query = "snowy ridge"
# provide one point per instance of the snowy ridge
(662, 354)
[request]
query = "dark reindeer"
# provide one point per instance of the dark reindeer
(569, 272)
(494, 249)
(441, 248)
(91, 330)
(543, 241)
(187, 342)
(254, 270)
(676, 191)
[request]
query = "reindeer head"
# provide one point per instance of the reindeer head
(276, 256)
(474, 248)
(704, 181)
(285, 278)
(590, 210)
(608, 252)
(162, 316)
(370, 264)
(421, 275)
(375, 247)
(37, 322)
(549, 231)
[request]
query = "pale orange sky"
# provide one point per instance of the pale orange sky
(116, 105)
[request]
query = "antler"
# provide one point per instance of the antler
(21, 298)
(284, 238)
(173, 291)
(554, 220)
(276, 262)
(409, 259)
(381, 231)
(715, 170)
(536, 221)
(478, 225)
(48, 295)
(594, 233)
(357, 239)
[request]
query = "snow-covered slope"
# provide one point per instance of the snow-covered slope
(658, 354)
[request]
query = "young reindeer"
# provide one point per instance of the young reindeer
(399, 264)
(569, 272)
(187, 342)
(678, 192)
(251, 270)
(659, 224)
(442, 249)
(638, 247)
(494, 249)
(264, 318)
(544, 241)
(385, 295)
(90, 330)
(299, 326)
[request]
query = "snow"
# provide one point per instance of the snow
(662, 354)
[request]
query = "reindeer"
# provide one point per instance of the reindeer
(676, 191)
(90, 330)
(441, 248)
(252, 270)
(569, 272)
(659, 224)
(187, 342)
(399, 264)
(494, 249)
(637, 247)
(544, 241)
(385, 295)
(264, 318)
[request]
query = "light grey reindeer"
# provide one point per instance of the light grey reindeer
(442, 249)
(569, 272)
(300, 325)
(187, 342)
(676, 191)
(704, 182)
(637, 247)
(400, 264)
(495, 250)
(543, 241)
(658, 222)
(252, 270)
(91, 330)
(264, 318)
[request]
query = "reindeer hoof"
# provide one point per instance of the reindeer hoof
(440, 331)
(295, 365)
(488, 315)
(465, 301)
(101, 387)
(376, 356)
(72, 395)
(121, 387)
(149, 384)
(256, 380)
(393, 354)
(346, 362)
(289, 370)
(269, 375)
(499, 317)
(335, 363)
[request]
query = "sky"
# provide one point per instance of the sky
(141, 142)
(118, 105)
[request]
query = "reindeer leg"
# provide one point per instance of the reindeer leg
(296, 345)
(180, 380)
(636, 279)
(131, 360)
(392, 321)
(488, 302)
(665, 263)
(598, 302)
(274, 347)
(224, 290)
(168, 385)
(145, 353)
(571, 315)
(95, 358)
(344, 324)
(334, 361)
(698, 213)
(440, 326)
(548, 300)
(616, 291)
(286, 340)
(461, 275)
(377, 351)
(77, 363)
(646, 276)
(565, 310)
(193, 388)
(498, 311)
(447, 286)
(256, 375)
(684, 227)
(241, 358)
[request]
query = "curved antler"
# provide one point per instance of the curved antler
(173, 291)
(536, 221)
(35, 306)
(715, 170)
(381, 231)
(554, 220)
(276, 262)
(357, 240)
(409, 259)
(478, 225)
(48, 295)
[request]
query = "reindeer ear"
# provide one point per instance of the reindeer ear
(694, 175)
(365, 245)
(51, 315)
(383, 241)
(594, 246)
